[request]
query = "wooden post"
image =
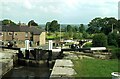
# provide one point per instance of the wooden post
(49, 60)
(50, 55)
(27, 54)
(20, 54)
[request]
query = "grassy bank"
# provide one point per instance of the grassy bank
(53, 36)
(95, 67)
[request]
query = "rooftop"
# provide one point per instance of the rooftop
(32, 29)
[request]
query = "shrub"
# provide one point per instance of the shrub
(118, 40)
(99, 40)
(115, 53)
(112, 39)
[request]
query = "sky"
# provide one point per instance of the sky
(64, 11)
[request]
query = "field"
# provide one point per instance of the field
(95, 67)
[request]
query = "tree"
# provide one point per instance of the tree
(69, 28)
(107, 24)
(99, 40)
(52, 26)
(32, 23)
(47, 26)
(75, 29)
(85, 35)
(81, 28)
(8, 22)
(94, 25)
(99, 25)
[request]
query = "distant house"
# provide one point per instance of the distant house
(21, 33)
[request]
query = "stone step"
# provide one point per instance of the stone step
(62, 69)
(63, 63)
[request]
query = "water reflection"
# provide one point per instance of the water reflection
(28, 72)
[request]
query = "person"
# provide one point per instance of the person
(2, 43)
(30, 44)
(37, 43)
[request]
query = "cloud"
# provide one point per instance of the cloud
(63, 10)
(27, 4)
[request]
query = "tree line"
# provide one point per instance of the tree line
(103, 31)
(108, 27)
(11, 23)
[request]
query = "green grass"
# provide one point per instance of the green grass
(51, 37)
(54, 36)
(95, 67)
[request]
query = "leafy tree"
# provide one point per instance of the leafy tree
(107, 24)
(94, 26)
(75, 29)
(99, 40)
(91, 30)
(81, 28)
(99, 25)
(8, 22)
(47, 26)
(52, 26)
(69, 28)
(85, 35)
(32, 23)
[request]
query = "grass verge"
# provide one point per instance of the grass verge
(95, 67)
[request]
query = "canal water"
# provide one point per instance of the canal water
(31, 69)
(29, 72)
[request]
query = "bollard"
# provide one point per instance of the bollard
(50, 45)
(115, 75)
(27, 44)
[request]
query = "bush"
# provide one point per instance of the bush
(76, 36)
(115, 53)
(112, 39)
(99, 40)
(118, 40)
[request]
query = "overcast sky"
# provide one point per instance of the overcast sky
(65, 11)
